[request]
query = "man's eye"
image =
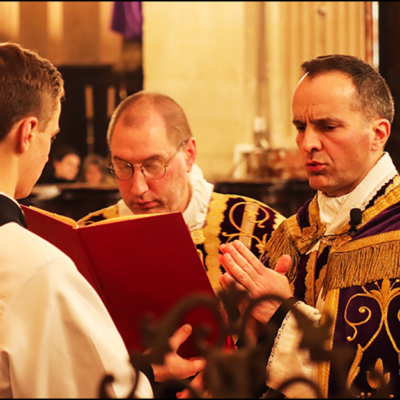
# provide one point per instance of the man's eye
(152, 167)
(300, 128)
(122, 166)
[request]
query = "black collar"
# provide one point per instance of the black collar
(10, 212)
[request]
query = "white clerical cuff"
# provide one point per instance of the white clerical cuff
(288, 361)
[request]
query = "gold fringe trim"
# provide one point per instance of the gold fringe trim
(360, 266)
(282, 243)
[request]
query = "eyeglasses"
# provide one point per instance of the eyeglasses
(123, 171)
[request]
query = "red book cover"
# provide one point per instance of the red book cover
(138, 265)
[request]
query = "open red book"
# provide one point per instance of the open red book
(137, 265)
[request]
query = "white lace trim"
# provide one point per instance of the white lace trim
(277, 337)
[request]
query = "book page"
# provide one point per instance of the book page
(59, 217)
(125, 218)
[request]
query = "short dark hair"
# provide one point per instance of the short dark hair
(373, 94)
(169, 110)
(29, 86)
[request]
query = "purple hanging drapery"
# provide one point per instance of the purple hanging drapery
(127, 19)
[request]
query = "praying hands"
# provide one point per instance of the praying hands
(245, 270)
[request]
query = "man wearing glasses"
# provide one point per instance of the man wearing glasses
(152, 156)
(57, 339)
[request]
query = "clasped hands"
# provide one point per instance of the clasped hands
(246, 272)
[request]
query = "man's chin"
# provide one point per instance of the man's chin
(317, 182)
(155, 209)
(22, 193)
(325, 188)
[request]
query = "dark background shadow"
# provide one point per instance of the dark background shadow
(389, 66)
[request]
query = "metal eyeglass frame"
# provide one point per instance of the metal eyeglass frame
(110, 167)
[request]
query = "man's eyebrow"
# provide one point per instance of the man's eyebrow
(119, 159)
(327, 121)
(151, 158)
(298, 122)
(323, 120)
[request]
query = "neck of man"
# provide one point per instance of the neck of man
(9, 172)
(348, 192)
(336, 211)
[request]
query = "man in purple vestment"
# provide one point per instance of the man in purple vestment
(339, 255)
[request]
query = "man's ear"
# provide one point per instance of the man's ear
(190, 153)
(381, 128)
(26, 131)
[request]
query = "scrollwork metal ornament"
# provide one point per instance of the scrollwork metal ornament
(239, 372)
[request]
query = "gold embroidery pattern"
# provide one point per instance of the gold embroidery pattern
(340, 241)
(211, 231)
(309, 232)
(309, 279)
(384, 295)
(390, 197)
(313, 286)
(106, 213)
(330, 307)
(370, 241)
(111, 212)
(201, 255)
(378, 368)
(198, 236)
(248, 223)
(314, 232)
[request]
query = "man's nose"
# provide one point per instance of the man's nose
(311, 140)
(139, 182)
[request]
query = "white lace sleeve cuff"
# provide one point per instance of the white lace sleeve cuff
(287, 361)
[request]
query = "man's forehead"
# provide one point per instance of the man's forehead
(144, 139)
(326, 88)
(140, 115)
(142, 126)
(332, 78)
